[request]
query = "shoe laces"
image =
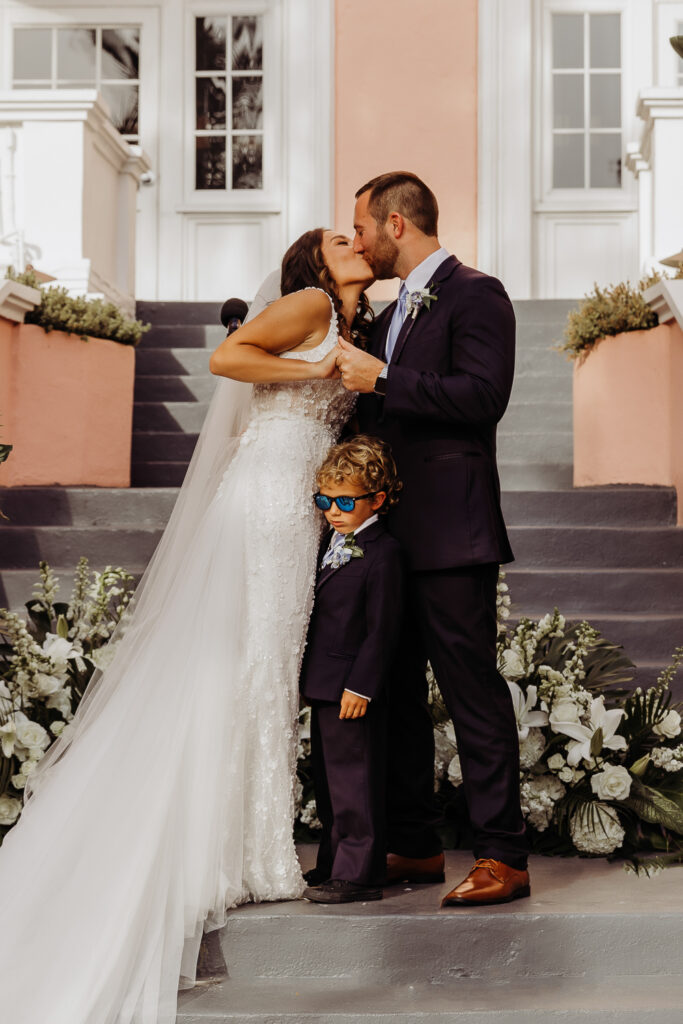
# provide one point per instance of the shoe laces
(491, 866)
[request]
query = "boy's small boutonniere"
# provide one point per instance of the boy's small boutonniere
(423, 297)
(350, 545)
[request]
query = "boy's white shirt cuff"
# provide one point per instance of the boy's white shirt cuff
(368, 699)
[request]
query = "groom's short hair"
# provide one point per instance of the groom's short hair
(406, 194)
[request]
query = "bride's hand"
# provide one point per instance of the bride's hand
(326, 369)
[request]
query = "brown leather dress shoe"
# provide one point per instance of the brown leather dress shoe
(489, 882)
(420, 870)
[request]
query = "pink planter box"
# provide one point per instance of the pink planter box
(66, 405)
(628, 412)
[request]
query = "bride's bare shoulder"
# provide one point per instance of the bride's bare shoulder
(310, 302)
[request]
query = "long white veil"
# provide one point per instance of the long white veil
(215, 448)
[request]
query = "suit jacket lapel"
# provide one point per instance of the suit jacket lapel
(443, 271)
(366, 537)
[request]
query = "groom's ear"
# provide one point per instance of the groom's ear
(395, 224)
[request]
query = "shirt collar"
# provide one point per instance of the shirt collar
(420, 276)
(368, 522)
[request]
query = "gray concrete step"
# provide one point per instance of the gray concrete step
(543, 311)
(625, 547)
(531, 447)
(204, 337)
(158, 446)
(520, 475)
(171, 361)
(605, 591)
(185, 417)
(614, 999)
(526, 414)
(174, 388)
(588, 947)
(173, 313)
(24, 547)
(158, 474)
(617, 505)
(110, 507)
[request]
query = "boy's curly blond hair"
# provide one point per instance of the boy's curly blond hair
(366, 461)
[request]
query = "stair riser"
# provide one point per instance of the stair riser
(163, 447)
(162, 362)
(534, 475)
(440, 950)
(85, 506)
(536, 448)
(645, 641)
(543, 311)
(586, 506)
(206, 337)
(25, 548)
(533, 417)
(539, 361)
(174, 313)
(184, 417)
(609, 593)
(158, 474)
(566, 548)
(174, 389)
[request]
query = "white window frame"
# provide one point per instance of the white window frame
(269, 197)
(53, 81)
(558, 198)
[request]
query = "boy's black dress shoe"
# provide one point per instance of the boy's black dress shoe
(316, 876)
(339, 891)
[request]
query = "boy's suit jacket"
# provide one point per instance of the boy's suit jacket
(448, 385)
(356, 620)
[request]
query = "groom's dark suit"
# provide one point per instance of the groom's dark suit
(448, 385)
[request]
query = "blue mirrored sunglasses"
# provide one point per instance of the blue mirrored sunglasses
(343, 503)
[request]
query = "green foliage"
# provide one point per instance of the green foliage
(608, 311)
(89, 318)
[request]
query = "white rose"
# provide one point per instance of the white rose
(30, 734)
(564, 710)
(19, 781)
(10, 809)
(46, 685)
(57, 728)
(512, 665)
(566, 774)
(556, 762)
(612, 783)
(670, 725)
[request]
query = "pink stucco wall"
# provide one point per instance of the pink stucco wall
(628, 414)
(406, 99)
(66, 406)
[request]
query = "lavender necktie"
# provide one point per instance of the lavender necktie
(396, 322)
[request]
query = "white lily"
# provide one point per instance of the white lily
(582, 735)
(522, 703)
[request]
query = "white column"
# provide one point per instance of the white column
(658, 162)
(75, 183)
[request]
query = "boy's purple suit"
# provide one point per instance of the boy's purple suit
(356, 620)
(448, 385)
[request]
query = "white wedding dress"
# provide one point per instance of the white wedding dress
(174, 800)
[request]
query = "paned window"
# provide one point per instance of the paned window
(229, 102)
(103, 58)
(586, 101)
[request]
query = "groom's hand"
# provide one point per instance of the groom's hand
(359, 370)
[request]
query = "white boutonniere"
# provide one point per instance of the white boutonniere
(423, 297)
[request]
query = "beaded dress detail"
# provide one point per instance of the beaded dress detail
(175, 799)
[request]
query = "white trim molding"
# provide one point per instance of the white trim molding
(16, 300)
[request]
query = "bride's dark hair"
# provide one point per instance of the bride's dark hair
(303, 266)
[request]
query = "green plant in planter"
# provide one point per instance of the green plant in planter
(608, 311)
(89, 318)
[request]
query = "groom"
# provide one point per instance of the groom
(435, 382)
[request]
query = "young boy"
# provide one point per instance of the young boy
(351, 639)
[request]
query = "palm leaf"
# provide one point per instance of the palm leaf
(652, 806)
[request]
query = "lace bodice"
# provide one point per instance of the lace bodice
(325, 403)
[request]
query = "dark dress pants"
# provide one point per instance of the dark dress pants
(454, 627)
(349, 771)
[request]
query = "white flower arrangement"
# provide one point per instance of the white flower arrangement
(46, 663)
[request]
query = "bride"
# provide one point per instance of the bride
(172, 799)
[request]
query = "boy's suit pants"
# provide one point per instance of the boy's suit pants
(348, 759)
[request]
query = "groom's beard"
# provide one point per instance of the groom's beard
(384, 257)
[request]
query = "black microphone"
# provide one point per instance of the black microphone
(233, 313)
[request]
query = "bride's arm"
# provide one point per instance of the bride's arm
(251, 353)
